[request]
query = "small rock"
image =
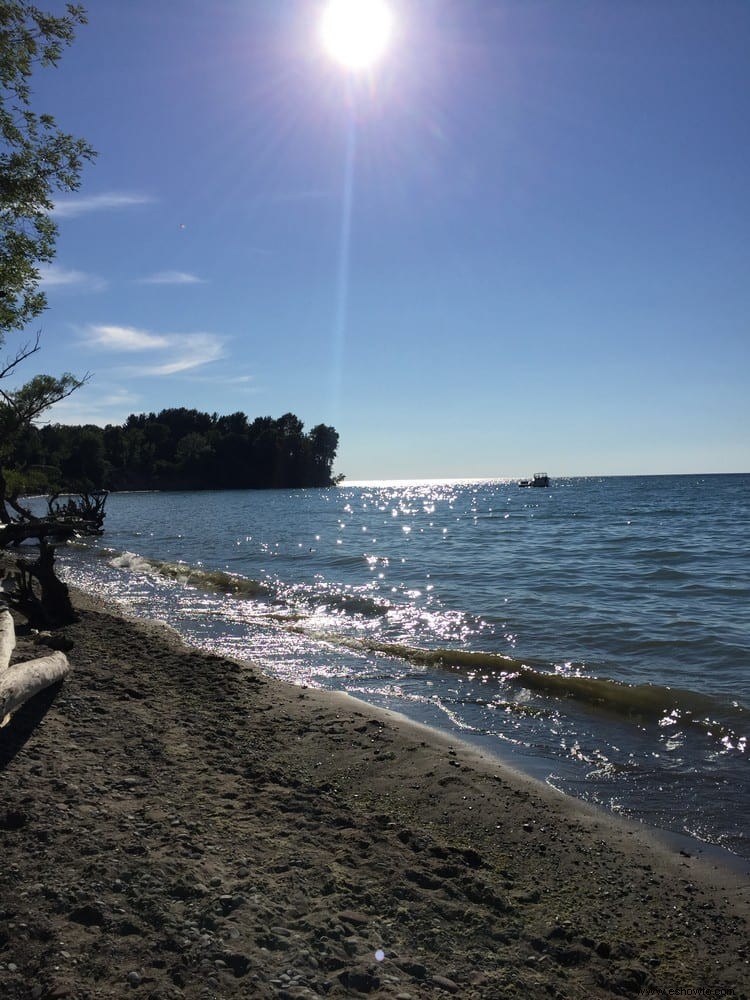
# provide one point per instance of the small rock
(13, 819)
(360, 982)
(239, 964)
(354, 917)
(414, 969)
(134, 978)
(89, 915)
(472, 858)
(60, 642)
(445, 984)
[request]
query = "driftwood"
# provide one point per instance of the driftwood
(84, 510)
(23, 680)
(51, 606)
(16, 532)
(7, 638)
(35, 590)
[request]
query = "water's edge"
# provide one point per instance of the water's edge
(530, 768)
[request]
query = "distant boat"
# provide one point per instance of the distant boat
(540, 479)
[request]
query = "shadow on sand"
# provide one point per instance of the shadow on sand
(14, 736)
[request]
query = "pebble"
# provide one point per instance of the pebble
(354, 917)
(134, 978)
(446, 984)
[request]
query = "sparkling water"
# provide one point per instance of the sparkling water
(596, 632)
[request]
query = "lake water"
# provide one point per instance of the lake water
(595, 633)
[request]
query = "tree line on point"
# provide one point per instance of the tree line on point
(175, 449)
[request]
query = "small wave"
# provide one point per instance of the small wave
(323, 597)
(133, 562)
(662, 555)
(214, 580)
(665, 573)
(354, 603)
(448, 658)
(647, 702)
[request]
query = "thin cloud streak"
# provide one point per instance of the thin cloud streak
(194, 350)
(54, 276)
(124, 338)
(172, 278)
(70, 208)
(184, 351)
(247, 380)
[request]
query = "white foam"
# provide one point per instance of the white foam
(133, 562)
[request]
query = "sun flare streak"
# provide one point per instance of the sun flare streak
(344, 263)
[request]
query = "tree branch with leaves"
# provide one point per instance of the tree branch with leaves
(37, 161)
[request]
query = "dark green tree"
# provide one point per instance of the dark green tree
(179, 449)
(85, 468)
(37, 160)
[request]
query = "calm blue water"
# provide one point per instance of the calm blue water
(596, 632)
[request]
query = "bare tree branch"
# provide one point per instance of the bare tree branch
(25, 352)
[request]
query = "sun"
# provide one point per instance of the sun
(356, 33)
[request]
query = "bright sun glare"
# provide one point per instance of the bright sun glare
(356, 32)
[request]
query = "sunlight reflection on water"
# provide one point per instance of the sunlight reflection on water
(579, 582)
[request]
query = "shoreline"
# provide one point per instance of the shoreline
(176, 824)
(526, 766)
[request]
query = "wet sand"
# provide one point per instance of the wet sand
(174, 824)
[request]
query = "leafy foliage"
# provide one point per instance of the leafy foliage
(37, 158)
(175, 449)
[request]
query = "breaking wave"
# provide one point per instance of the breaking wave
(215, 580)
(643, 702)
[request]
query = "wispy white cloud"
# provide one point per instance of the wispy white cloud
(53, 276)
(190, 350)
(69, 208)
(172, 278)
(124, 338)
(247, 380)
(182, 352)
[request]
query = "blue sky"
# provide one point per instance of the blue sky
(520, 242)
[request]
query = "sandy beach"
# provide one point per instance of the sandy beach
(175, 824)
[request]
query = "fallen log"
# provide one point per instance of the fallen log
(23, 680)
(7, 638)
(16, 532)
